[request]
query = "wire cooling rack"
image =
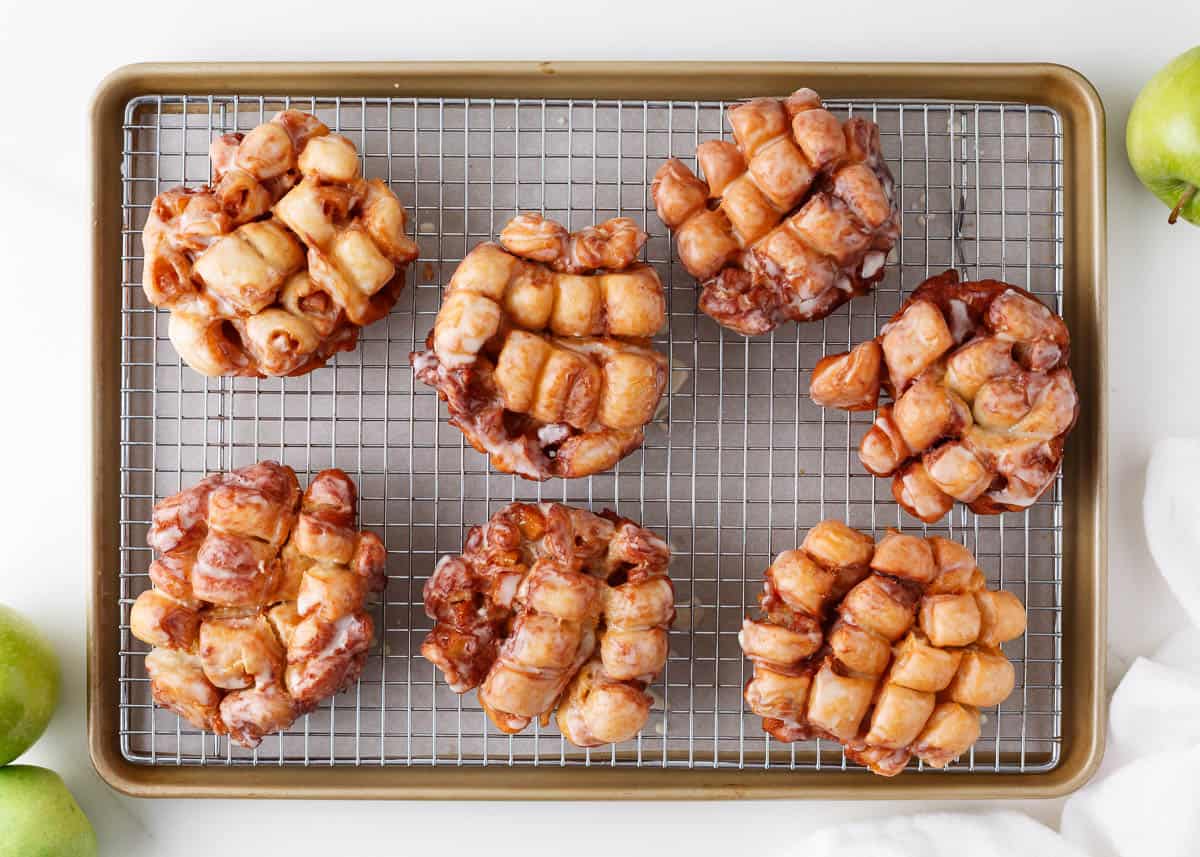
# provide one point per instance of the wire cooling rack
(736, 468)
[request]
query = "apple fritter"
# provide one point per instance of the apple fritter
(793, 218)
(888, 649)
(982, 397)
(276, 266)
(258, 606)
(541, 348)
(553, 607)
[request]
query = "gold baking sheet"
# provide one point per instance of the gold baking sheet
(397, 735)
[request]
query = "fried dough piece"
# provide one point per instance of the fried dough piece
(889, 649)
(553, 607)
(982, 397)
(258, 611)
(796, 216)
(275, 267)
(541, 347)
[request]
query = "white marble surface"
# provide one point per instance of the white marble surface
(52, 56)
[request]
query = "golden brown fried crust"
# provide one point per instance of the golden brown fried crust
(552, 607)
(796, 217)
(983, 397)
(274, 268)
(896, 666)
(258, 611)
(541, 348)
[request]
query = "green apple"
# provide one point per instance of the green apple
(28, 684)
(1163, 136)
(39, 817)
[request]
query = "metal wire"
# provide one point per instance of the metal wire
(739, 466)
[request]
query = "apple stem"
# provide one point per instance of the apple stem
(1184, 199)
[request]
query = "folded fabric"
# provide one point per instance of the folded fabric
(1145, 799)
(939, 834)
(1171, 511)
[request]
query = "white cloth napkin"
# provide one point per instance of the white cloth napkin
(1145, 800)
(940, 834)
